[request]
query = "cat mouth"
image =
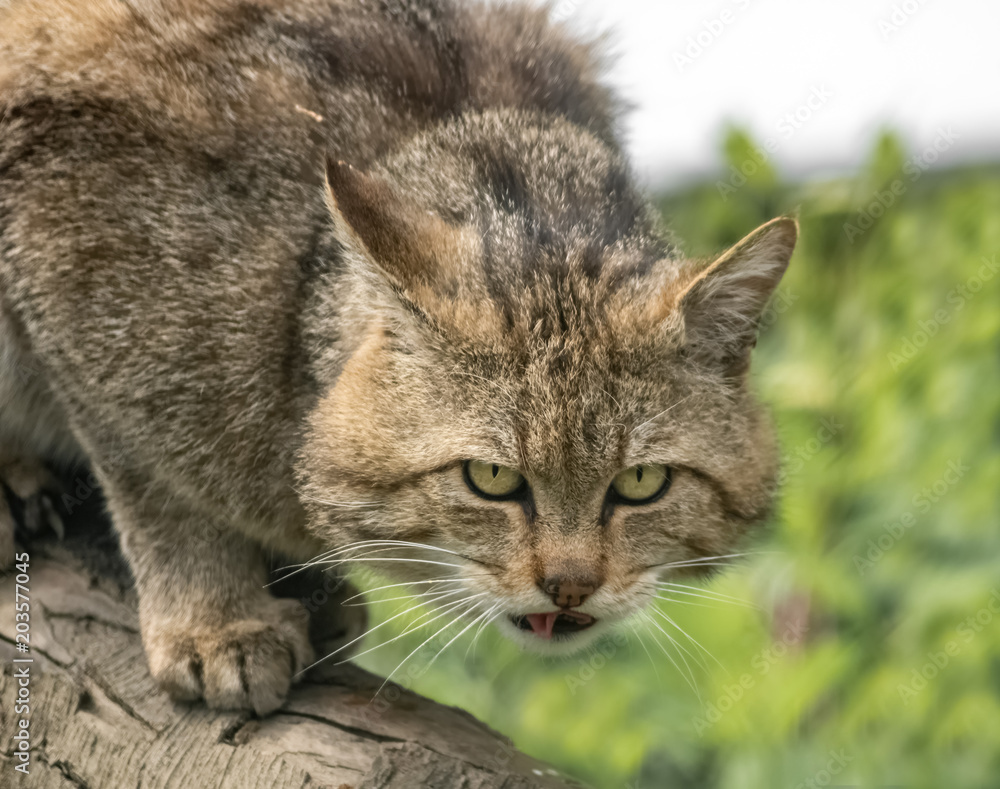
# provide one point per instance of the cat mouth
(553, 623)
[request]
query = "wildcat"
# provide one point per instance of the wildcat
(363, 282)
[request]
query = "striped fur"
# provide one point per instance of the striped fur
(278, 268)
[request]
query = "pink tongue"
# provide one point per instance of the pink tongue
(542, 624)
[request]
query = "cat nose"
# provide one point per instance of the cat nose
(569, 591)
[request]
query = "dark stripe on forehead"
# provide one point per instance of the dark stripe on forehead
(504, 182)
(543, 239)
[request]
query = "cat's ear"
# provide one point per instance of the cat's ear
(417, 251)
(722, 305)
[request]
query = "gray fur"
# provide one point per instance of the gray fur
(255, 357)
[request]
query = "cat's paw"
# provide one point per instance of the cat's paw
(243, 664)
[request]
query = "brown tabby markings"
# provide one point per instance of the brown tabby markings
(261, 354)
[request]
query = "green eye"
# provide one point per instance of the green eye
(492, 481)
(641, 484)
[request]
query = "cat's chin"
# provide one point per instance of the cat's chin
(555, 643)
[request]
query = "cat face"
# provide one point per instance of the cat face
(540, 449)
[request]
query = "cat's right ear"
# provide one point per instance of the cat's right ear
(416, 251)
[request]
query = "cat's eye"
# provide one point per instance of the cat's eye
(493, 481)
(641, 484)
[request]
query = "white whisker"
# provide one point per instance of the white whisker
(645, 649)
(654, 418)
(697, 658)
(317, 560)
(372, 630)
(613, 400)
(682, 602)
(417, 596)
(689, 679)
(386, 544)
(413, 626)
(334, 563)
(422, 645)
(708, 594)
(690, 638)
(350, 557)
(395, 586)
(497, 608)
(704, 560)
(351, 505)
(455, 638)
(341, 562)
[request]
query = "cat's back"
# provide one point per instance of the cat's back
(359, 76)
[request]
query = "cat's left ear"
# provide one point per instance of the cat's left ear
(723, 304)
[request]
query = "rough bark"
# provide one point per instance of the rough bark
(97, 720)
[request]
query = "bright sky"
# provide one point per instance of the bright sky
(846, 68)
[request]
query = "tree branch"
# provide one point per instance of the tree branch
(97, 719)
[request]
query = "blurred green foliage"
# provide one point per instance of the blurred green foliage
(872, 655)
